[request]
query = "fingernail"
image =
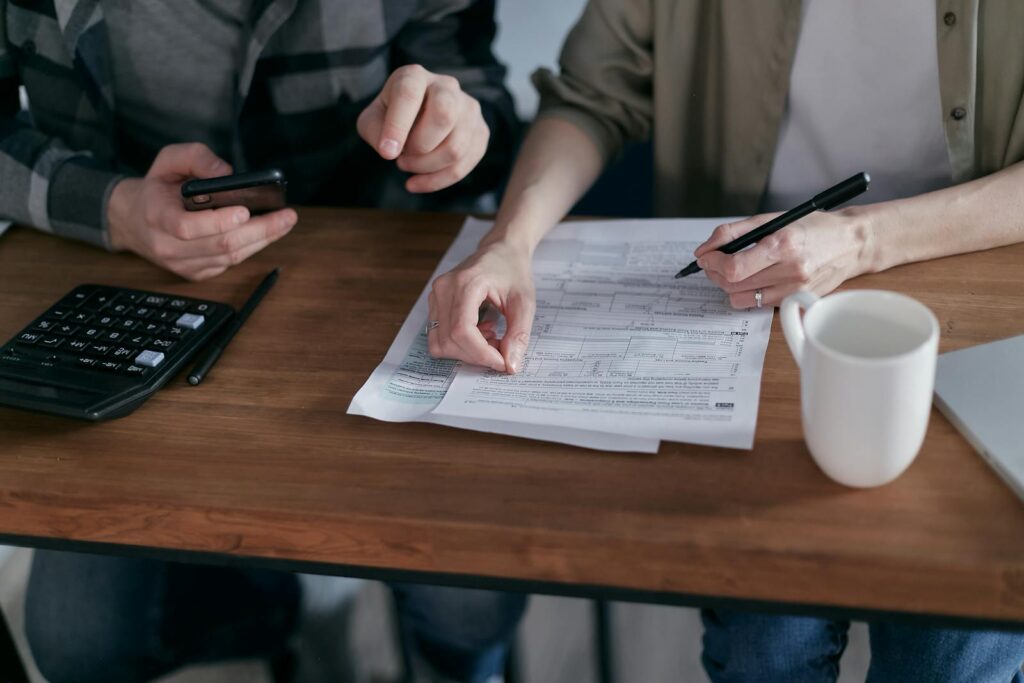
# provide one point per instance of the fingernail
(241, 217)
(390, 148)
(515, 360)
(700, 262)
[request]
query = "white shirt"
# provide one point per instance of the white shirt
(863, 96)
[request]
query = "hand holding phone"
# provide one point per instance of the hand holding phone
(258, 191)
(148, 216)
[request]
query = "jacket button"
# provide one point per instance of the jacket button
(28, 47)
(958, 113)
(949, 18)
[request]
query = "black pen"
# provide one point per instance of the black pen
(829, 199)
(221, 342)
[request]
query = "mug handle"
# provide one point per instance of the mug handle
(792, 326)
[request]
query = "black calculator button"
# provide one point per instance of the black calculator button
(178, 304)
(128, 324)
(58, 313)
(74, 299)
(137, 340)
(100, 299)
(153, 328)
(29, 338)
(77, 345)
(65, 330)
(79, 317)
(120, 308)
(155, 301)
(132, 297)
(92, 332)
(161, 344)
(142, 312)
(45, 326)
(114, 336)
(109, 365)
(164, 316)
(135, 370)
(201, 309)
(99, 349)
(85, 361)
(123, 353)
(51, 341)
(175, 332)
(105, 321)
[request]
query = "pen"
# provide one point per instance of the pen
(829, 199)
(216, 347)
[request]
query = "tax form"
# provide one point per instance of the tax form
(408, 384)
(619, 349)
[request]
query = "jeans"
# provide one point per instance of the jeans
(112, 620)
(765, 648)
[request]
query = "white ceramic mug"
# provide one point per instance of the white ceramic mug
(867, 369)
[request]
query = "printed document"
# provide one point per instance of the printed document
(409, 384)
(619, 349)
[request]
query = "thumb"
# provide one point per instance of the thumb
(519, 316)
(191, 160)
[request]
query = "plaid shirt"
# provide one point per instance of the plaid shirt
(300, 90)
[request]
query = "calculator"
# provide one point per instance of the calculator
(100, 352)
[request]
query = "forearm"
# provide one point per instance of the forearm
(557, 164)
(981, 214)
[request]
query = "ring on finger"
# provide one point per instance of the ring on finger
(758, 298)
(431, 325)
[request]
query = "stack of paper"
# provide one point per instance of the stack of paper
(621, 355)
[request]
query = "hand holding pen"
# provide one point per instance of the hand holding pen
(817, 250)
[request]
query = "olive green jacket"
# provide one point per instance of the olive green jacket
(707, 80)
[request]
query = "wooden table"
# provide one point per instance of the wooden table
(261, 465)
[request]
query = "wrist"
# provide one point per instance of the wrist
(864, 221)
(120, 207)
(506, 234)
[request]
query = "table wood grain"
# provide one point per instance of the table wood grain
(261, 464)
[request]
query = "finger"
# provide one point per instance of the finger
(770, 296)
(190, 225)
(727, 232)
(221, 248)
(439, 180)
(371, 122)
(442, 108)
(780, 273)
(402, 98)
(189, 160)
(457, 145)
(741, 265)
(519, 313)
(462, 331)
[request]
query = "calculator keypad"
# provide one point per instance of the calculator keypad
(101, 329)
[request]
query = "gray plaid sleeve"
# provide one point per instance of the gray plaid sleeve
(50, 187)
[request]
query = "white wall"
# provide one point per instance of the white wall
(530, 34)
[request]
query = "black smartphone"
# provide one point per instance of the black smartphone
(258, 191)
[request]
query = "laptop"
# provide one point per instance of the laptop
(981, 391)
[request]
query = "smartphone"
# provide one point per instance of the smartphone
(258, 191)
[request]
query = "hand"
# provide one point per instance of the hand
(501, 275)
(425, 121)
(146, 216)
(817, 253)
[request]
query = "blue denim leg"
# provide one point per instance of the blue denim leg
(918, 653)
(119, 620)
(744, 647)
(464, 634)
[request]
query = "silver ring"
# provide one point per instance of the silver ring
(758, 297)
(431, 324)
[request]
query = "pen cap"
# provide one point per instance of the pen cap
(842, 193)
